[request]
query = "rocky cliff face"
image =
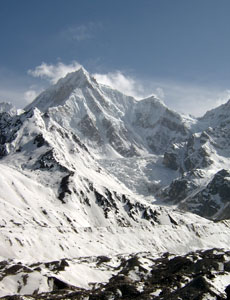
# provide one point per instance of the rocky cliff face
(212, 200)
(202, 160)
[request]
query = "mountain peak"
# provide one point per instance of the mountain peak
(76, 78)
(217, 114)
(58, 93)
(154, 100)
(81, 72)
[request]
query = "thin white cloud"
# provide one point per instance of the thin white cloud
(54, 72)
(12, 95)
(18, 96)
(30, 95)
(18, 90)
(223, 97)
(193, 99)
(182, 97)
(81, 32)
(160, 92)
(121, 82)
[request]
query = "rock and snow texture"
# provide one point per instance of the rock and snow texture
(196, 275)
(89, 171)
(203, 163)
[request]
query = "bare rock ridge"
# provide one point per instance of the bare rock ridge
(96, 186)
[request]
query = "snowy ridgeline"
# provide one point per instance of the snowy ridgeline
(87, 171)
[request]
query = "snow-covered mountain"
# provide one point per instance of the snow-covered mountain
(109, 121)
(89, 171)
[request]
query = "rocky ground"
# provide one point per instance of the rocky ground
(197, 275)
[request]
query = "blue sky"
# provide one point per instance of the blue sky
(177, 49)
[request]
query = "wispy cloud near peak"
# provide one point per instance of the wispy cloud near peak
(121, 82)
(54, 72)
(180, 96)
(30, 95)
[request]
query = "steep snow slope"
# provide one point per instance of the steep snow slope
(217, 115)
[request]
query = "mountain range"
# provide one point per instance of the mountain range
(96, 184)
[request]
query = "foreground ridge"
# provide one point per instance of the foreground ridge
(196, 275)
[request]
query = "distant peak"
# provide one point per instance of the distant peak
(221, 111)
(154, 100)
(227, 102)
(7, 107)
